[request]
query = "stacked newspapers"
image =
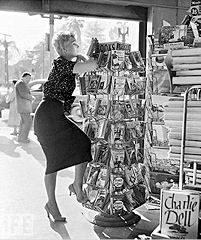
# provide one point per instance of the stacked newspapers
(173, 117)
(187, 64)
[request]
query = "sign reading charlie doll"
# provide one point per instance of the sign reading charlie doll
(179, 213)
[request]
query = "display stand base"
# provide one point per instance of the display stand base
(107, 220)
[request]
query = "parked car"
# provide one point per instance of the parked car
(36, 88)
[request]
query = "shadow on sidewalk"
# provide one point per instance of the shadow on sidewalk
(33, 148)
(8, 147)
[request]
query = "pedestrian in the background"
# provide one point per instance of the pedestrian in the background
(24, 106)
(63, 143)
(14, 116)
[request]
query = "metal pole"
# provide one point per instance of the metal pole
(6, 62)
(51, 22)
(183, 139)
(6, 74)
(43, 67)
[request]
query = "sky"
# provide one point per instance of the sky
(25, 30)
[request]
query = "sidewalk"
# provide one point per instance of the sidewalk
(23, 196)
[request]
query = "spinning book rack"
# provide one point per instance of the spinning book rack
(116, 180)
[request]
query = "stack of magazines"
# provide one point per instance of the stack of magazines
(173, 120)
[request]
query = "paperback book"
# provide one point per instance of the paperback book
(102, 154)
(84, 82)
(93, 84)
(118, 110)
(102, 129)
(104, 59)
(137, 61)
(117, 133)
(118, 85)
(103, 87)
(117, 59)
(102, 108)
(117, 156)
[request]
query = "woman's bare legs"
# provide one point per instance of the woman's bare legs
(50, 184)
(78, 182)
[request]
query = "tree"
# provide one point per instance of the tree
(113, 34)
(94, 29)
(10, 54)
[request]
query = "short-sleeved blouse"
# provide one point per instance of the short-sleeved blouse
(61, 82)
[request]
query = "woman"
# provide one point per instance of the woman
(63, 143)
(14, 116)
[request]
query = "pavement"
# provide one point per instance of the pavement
(23, 196)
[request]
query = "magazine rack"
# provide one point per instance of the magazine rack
(115, 181)
(196, 90)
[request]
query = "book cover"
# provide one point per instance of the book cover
(94, 170)
(135, 128)
(84, 81)
(103, 59)
(117, 156)
(179, 213)
(117, 133)
(133, 108)
(118, 110)
(83, 107)
(117, 59)
(118, 85)
(137, 61)
(136, 84)
(102, 129)
(102, 108)
(101, 154)
(101, 199)
(93, 84)
(91, 129)
(103, 86)
(103, 177)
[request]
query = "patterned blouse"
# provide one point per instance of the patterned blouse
(61, 82)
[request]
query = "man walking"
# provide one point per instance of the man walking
(24, 106)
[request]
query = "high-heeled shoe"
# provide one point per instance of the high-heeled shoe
(82, 199)
(56, 218)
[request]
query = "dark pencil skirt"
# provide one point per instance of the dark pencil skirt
(64, 144)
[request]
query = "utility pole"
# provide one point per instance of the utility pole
(51, 23)
(51, 17)
(43, 70)
(6, 73)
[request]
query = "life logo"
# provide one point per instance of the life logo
(195, 8)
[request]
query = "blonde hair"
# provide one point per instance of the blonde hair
(59, 39)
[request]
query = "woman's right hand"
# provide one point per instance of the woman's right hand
(81, 58)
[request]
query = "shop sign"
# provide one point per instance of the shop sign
(179, 213)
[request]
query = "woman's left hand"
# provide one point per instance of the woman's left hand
(81, 58)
